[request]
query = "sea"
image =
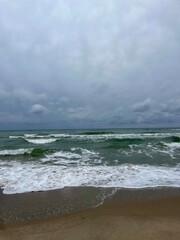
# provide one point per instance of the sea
(110, 158)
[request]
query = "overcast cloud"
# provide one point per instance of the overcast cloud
(81, 63)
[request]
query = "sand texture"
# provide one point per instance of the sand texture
(119, 218)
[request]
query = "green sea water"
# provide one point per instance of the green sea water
(82, 154)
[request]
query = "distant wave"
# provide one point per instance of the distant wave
(14, 137)
(116, 143)
(125, 137)
(96, 133)
(41, 141)
(96, 136)
(32, 135)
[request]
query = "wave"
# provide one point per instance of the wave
(60, 135)
(173, 145)
(115, 143)
(15, 152)
(128, 140)
(29, 177)
(124, 137)
(84, 151)
(96, 133)
(77, 156)
(37, 152)
(97, 136)
(14, 137)
(41, 141)
(175, 139)
(34, 152)
(32, 135)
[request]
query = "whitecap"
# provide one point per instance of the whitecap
(30, 135)
(41, 141)
(173, 145)
(78, 156)
(14, 152)
(62, 157)
(14, 137)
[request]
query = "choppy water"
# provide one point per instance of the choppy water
(131, 158)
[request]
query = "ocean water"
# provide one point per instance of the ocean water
(120, 158)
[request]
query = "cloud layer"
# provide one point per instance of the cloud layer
(89, 63)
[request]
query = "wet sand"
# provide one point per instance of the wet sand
(128, 214)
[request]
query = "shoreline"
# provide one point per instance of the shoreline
(31, 206)
(131, 214)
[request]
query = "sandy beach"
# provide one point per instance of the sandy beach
(128, 214)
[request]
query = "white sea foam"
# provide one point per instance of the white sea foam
(85, 151)
(32, 135)
(17, 177)
(15, 137)
(170, 149)
(78, 156)
(62, 157)
(173, 145)
(152, 148)
(41, 141)
(15, 152)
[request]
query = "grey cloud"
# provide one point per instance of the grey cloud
(64, 99)
(172, 107)
(11, 118)
(25, 95)
(79, 112)
(4, 94)
(142, 106)
(85, 60)
(22, 94)
(38, 109)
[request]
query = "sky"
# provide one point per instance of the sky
(89, 64)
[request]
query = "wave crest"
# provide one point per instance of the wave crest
(15, 152)
(41, 141)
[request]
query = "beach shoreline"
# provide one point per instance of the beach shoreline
(131, 213)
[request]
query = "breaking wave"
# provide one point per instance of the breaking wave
(35, 177)
(41, 141)
(34, 152)
(15, 152)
